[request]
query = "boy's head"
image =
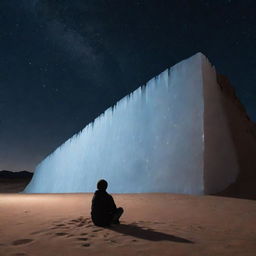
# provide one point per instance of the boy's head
(102, 185)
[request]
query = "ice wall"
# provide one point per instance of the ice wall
(150, 141)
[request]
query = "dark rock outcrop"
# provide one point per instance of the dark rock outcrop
(243, 131)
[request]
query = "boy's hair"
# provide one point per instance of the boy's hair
(102, 185)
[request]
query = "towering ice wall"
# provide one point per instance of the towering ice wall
(168, 136)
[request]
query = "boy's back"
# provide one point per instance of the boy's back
(103, 207)
(104, 210)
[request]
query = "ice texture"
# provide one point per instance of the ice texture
(170, 135)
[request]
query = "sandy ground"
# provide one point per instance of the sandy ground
(153, 224)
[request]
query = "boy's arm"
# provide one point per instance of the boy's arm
(112, 205)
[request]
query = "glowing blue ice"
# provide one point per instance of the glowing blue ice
(153, 140)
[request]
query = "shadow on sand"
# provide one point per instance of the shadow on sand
(147, 234)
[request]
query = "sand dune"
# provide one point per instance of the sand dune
(153, 224)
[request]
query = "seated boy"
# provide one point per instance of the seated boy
(104, 211)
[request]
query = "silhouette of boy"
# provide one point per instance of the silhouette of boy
(104, 211)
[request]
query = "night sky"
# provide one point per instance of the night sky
(64, 62)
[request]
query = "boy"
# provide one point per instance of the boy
(104, 211)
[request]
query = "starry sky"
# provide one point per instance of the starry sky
(64, 62)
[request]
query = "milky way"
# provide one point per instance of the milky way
(64, 62)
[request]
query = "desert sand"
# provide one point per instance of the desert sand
(152, 224)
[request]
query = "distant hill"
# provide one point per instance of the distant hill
(14, 182)
(15, 175)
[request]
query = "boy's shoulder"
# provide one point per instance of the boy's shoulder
(101, 193)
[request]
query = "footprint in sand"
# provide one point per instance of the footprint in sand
(74, 221)
(54, 227)
(82, 238)
(96, 230)
(61, 234)
(83, 234)
(60, 225)
(39, 232)
(86, 245)
(22, 241)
